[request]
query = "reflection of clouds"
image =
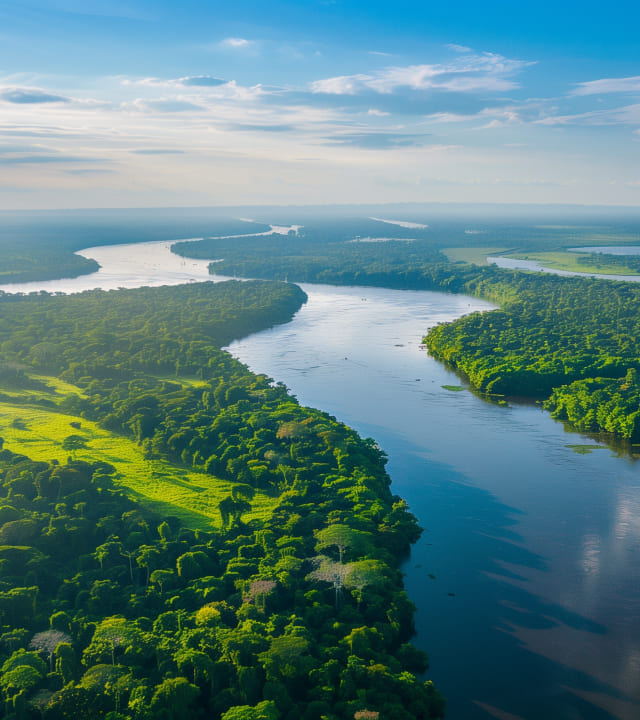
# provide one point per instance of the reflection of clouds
(631, 669)
(627, 523)
(591, 547)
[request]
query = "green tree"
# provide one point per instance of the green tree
(343, 538)
(265, 710)
(173, 698)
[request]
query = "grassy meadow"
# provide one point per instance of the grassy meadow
(39, 432)
(472, 255)
(571, 261)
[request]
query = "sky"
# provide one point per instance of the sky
(150, 103)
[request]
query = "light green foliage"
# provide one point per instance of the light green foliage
(172, 699)
(343, 538)
(286, 656)
(473, 255)
(571, 341)
(265, 710)
(164, 617)
(21, 678)
(581, 262)
(21, 672)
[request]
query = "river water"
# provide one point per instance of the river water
(526, 578)
(535, 266)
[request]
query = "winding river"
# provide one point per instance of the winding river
(526, 578)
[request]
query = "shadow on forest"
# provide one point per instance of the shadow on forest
(466, 575)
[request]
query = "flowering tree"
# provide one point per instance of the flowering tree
(47, 642)
(329, 571)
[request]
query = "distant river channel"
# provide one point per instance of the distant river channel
(527, 577)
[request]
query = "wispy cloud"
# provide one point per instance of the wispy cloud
(265, 127)
(198, 81)
(196, 89)
(473, 72)
(608, 85)
(627, 115)
(500, 115)
(163, 105)
(459, 48)
(30, 96)
(11, 159)
(377, 140)
(88, 171)
(157, 151)
(237, 43)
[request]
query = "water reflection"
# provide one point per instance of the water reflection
(125, 266)
(522, 605)
(525, 582)
(534, 266)
(510, 651)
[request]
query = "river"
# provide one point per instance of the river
(526, 576)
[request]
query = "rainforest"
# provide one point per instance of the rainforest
(180, 537)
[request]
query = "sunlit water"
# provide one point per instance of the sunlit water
(535, 266)
(526, 576)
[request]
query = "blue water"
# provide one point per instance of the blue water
(525, 579)
(533, 610)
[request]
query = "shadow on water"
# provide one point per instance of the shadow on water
(466, 575)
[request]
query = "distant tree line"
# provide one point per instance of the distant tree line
(570, 341)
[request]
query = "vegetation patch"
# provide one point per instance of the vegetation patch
(584, 449)
(582, 262)
(453, 388)
(472, 255)
(167, 488)
(184, 548)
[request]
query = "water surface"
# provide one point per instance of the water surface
(525, 580)
(535, 266)
(526, 576)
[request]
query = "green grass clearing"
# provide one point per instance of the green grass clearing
(472, 255)
(158, 484)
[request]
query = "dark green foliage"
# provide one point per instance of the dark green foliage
(139, 617)
(312, 257)
(550, 333)
(571, 340)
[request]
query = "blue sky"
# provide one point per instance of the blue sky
(114, 103)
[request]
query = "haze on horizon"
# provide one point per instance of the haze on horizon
(141, 103)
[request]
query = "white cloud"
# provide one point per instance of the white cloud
(163, 105)
(342, 85)
(377, 113)
(233, 42)
(459, 48)
(30, 96)
(608, 85)
(502, 118)
(627, 115)
(483, 72)
(199, 81)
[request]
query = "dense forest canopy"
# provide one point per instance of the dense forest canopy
(109, 610)
(273, 590)
(569, 341)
